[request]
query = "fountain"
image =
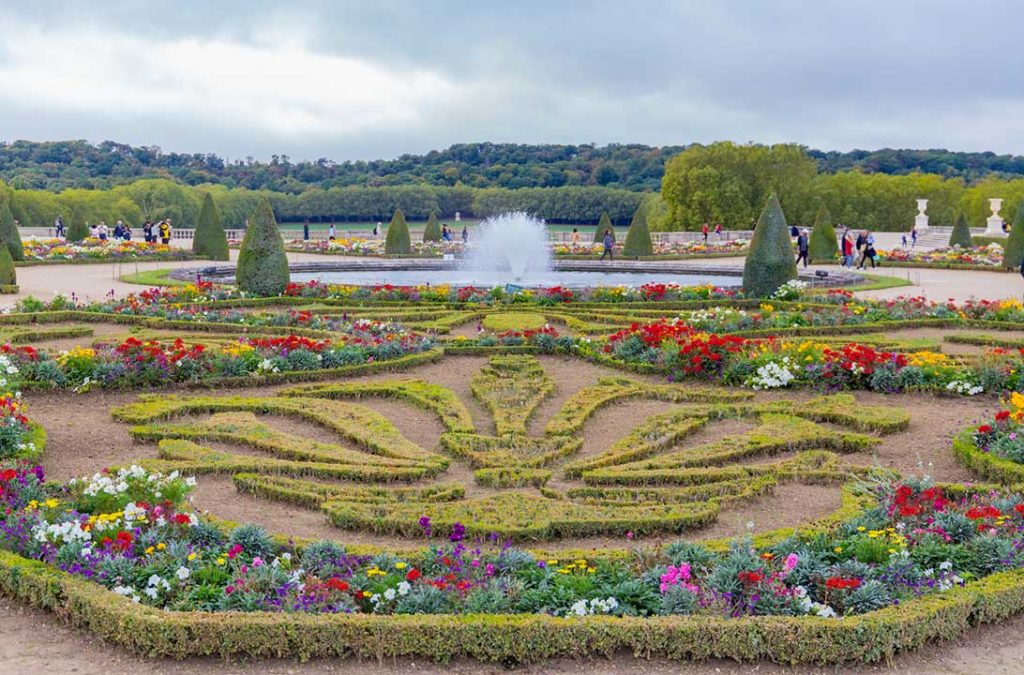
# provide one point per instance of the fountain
(510, 247)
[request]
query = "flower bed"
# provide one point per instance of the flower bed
(93, 250)
(988, 257)
(669, 250)
(912, 545)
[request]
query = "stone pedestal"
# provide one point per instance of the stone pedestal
(921, 220)
(994, 224)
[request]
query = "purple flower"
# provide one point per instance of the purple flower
(458, 532)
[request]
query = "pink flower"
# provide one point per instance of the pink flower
(791, 560)
(234, 550)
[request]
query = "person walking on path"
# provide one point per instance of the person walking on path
(331, 232)
(575, 238)
(465, 234)
(913, 237)
(609, 243)
(718, 231)
(305, 230)
(802, 247)
(165, 232)
(847, 250)
(869, 251)
(704, 231)
(58, 227)
(861, 241)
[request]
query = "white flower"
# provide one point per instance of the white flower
(404, 588)
(183, 573)
(390, 594)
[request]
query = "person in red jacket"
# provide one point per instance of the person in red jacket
(847, 250)
(704, 231)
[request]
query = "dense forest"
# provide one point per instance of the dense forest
(61, 165)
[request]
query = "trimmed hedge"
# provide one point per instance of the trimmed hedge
(397, 241)
(770, 262)
(210, 240)
(262, 264)
(985, 464)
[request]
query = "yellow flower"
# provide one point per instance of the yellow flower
(51, 503)
(552, 562)
(838, 549)
(400, 565)
(161, 546)
(861, 528)
(220, 561)
(149, 550)
(591, 570)
(191, 556)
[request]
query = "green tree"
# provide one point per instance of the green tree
(638, 237)
(262, 263)
(961, 234)
(77, 229)
(1013, 252)
(9, 231)
(770, 262)
(210, 240)
(823, 245)
(8, 275)
(432, 230)
(397, 241)
(605, 223)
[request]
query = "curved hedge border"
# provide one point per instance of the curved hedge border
(985, 464)
(511, 639)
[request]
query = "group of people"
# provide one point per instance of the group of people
(857, 251)
(705, 229)
(151, 232)
(446, 234)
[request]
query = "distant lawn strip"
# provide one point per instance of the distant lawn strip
(431, 397)
(153, 278)
(368, 429)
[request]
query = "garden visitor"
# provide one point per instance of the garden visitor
(94, 231)
(331, 231)
(869, 251)
(718, 231)
(794, 231)
(904, 241)
(126, 232)
(861, 240)
(118, 230)
(575, 237)
(58, 227)
(704, 231)
(802, 246)
(609, 243)
(147, 231)
(305, 230)
(446, 234)
(165, 231)
(376, 230)
(913, 237)
(465, 234)
(847, 250)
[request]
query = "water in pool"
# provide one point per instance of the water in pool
(465, 277)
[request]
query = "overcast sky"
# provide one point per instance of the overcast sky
(378, 78)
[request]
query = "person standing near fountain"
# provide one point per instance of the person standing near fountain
(465, 234)
(609, 243)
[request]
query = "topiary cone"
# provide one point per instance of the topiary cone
(262, 264)
(398, 241)
(432, 231)
(8, 275)
(9, 232)
(1013, 252)
(638, 237)
(961, 234)
(77, 229)
(210, 240)
(770, 261)
(823, 246)
(603, 224)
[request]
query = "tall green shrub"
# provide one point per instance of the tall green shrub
(9, 232)
(432, 231)
(823, 244)
(397, 241)
(8, 275)
(605, 223)
(770, 261)
(961, 235)
(638, 237)
(262, 263)
(210, 240)
(77, 229)
(1013, 252)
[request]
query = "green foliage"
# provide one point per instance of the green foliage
(262, 263)
(8, 275)
(77, 230)
(1013, 252)
(397, 241)
(503, 321)
(638, 237)
(210, 240)
(603, 224)
(432, 230)
(770, 262)
(961, 235)
(823, 245)
(9, 235)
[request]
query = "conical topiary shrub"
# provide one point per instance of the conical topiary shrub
(397, 241)
(770, 261)
(77, 229)
(823, 245)
(638, 237)
(8, 275)
(210, 240)
(432, 231)
(262, 263)
(1013, 252)
(605, 223)
(9, 232)
(961, 235)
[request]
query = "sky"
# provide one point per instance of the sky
(379, 78)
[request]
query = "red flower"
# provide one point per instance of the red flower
(412, 575)
(842, 583)
(337, 584)
(1002, 415)
(750, 577)
(182, 519)
(984, 429)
